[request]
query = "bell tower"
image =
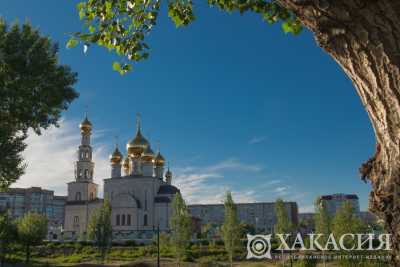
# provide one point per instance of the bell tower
(83, 188)
(84, 167)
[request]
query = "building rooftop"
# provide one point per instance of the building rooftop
(339, 196)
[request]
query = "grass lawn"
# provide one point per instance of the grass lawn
(76, 254)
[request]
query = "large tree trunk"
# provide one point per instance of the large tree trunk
(363, 36)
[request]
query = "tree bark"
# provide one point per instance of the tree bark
(363, 37)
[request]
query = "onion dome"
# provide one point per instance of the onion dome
(85, 126)
(159, 160)
(148, 154)
(116, 157)
(138, 144)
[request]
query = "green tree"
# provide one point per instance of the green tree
(180, 227)
(283, 224)
(322, 224)
(31, 230)
(366, 49)
(230, 228)
(165, 243)
(247, 229)
(100, 229)
(206, 230)
(7, 235)
(346, 221)
(34, 90)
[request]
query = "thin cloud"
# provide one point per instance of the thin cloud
(233, 164)
(257, 140)
(271, 183)
(282, 191)
(52, 155)
(198, 184)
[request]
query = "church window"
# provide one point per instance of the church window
(86, 155)
(123, 219)
(80, 173)
(78, 196)
(128, 219)
(118, 219)
(82, 155)
(145, 200)
(86, 173)
(145, 220)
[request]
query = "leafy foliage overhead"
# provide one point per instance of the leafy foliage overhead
(34, 90)
(121, 25)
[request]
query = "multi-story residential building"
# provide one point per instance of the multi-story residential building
(18, 201)
(334, 202)
(260, 215)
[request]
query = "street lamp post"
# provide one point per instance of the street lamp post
(256, 225)
(158, 244)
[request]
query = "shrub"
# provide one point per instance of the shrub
(130, 243)
(207, 262)
(306, 263)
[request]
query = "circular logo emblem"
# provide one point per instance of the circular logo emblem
(258, 246)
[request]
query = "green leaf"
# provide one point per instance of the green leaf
(72, 43)
(92, 29)
(286, 27)
(116, 66)
(82, 14)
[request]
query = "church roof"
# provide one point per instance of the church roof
(161, 199)
(168, 190)
(83, 202)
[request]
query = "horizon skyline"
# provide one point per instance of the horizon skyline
(106, 167)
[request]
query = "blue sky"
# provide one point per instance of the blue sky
(237, 105)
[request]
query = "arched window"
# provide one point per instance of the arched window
(145, 200)
(123, 219)
(80, 173)
(82, 154)
(86, 173)
(128, 219)
(78, 196)
(86, 155)
(145, 220)
(118, 219)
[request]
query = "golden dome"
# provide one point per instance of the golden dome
(159, 160)
(85, 126)
(137, 145)
(148, 154)
(116, 156)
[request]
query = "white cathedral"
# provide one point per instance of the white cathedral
(140, 198)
